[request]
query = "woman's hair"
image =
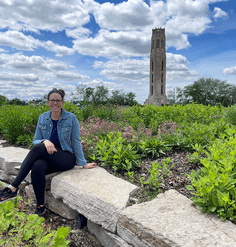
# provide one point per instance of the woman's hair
(60, 91)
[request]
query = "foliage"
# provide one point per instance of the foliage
(3, 99)
(230, 115)
(119, 137)
(208, 92)
(14, 120)
(100, 96)
(28, 230)
(214, 184)
(114, 151)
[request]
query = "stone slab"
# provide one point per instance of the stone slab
(58, 207)
(94, 193)
(13, 154)
(106, 238)
(171, 220)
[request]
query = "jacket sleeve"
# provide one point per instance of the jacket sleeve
(76, 144)
(38, 138)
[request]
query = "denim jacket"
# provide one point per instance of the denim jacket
(68, 133)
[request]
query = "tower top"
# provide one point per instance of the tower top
(158, 31)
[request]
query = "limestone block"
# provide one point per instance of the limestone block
(49, 178)
(1, 163)
(6, 177)
(23, 185)
(13, 154)
(107, 239)
(171, 220)
(29, 190)
(94, 193)
(4, 183)
(1, 142)
(58, 207)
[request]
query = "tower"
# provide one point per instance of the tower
(157, 80)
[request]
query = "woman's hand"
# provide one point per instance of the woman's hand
(50, 147)
(90, 165)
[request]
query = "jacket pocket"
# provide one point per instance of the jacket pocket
(67, 133)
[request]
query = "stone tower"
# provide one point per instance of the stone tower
(157, 81)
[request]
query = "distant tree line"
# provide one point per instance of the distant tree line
(89, 95)
(204, 91)
(100, 96)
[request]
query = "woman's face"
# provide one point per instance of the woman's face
(55, 102)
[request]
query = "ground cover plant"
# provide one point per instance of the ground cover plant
(18, 229)
(140, 144)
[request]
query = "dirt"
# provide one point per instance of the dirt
(173, 177)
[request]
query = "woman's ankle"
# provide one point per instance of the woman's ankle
(13, 189)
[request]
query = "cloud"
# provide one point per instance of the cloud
(230, 71)
(130, 15)
(23, 42)
(70, 76)
(39, 77)
(219, 13)
(9, 76)
(137, 70)
(42, 15)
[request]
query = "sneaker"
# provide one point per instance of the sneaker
(7, 195)
(40, 211)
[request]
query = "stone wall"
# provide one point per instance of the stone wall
(168, 220)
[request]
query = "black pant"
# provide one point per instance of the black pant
(41, 163)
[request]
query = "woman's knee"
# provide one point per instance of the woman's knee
(39, 167)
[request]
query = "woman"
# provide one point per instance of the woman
(56, 147)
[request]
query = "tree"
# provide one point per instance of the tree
(3, 99)
(208, 92)
(97, 96)
(15, 101)
(100, 96)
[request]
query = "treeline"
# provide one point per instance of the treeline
(85, 96)
(100, 96)
(204, 91)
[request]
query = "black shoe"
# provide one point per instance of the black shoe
(40, 211)
(7, 195)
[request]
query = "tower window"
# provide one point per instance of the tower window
(162, 43)
(152, 90)
(161, 89)
(152, 65)
(158, 43)
(162, 65)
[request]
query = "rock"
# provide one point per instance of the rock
(6, 177)
(107, 239)
(13, 154)
(94, 193)
(171, 220)
(58, 207)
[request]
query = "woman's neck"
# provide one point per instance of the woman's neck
(55, 115)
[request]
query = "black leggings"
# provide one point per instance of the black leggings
(41, 163)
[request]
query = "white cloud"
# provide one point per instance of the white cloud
(230, 71)
(219, 13)
(2, 50)
(130, 15)
(23, 42)
(70, 76)
(137, 70)
(42, 15)
(108, 44)
(9, 76)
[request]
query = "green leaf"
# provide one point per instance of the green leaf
(189, 187)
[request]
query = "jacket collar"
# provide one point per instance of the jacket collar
(63, 114)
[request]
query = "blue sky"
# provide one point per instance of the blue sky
(65, 44)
